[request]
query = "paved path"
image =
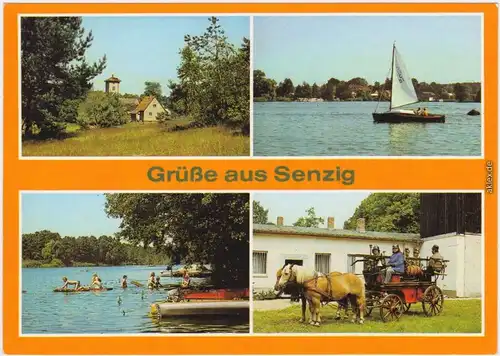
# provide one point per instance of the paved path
(277, 304)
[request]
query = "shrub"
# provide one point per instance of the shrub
(163, 117)
(31, 264)
(264, 295)
(102, 109)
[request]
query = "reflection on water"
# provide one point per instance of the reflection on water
(115, 311)
(203, 324)
(402, 137)
(347, 129)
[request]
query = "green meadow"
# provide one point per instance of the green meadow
(458, 316)
(148, 139)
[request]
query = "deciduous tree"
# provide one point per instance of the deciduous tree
(388, 212)
(260, 215)
(310, 220)
(198, 228)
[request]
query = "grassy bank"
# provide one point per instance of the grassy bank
(57, 264)
(458, 316)
(149, 139)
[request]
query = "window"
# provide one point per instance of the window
(259, 262)
(351, 266)
(322, 262)
(154, 105)
(150, 113)
(294, 262)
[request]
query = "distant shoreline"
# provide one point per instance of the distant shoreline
(319, 100)
(31, 265)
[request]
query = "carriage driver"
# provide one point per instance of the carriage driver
(395, 264)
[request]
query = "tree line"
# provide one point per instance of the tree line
(267, 89)
(212, 86)
(383, 212)
(48, 249)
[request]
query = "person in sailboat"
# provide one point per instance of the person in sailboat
(425, 112)
(418, 111)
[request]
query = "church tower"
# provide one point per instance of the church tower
(112, 84)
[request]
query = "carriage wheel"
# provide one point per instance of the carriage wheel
(407, 307)
(391, 308)
(433, 301)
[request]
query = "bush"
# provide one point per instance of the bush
(163, 117)
(69, 111)
(54, 263)
(264, 295)
(31, 264)
(102, 109)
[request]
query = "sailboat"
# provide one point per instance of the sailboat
(402, 94)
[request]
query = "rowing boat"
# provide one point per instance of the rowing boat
(81, 290)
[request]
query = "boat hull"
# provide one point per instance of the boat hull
(216, 294)
(163, 310)
(395, 117)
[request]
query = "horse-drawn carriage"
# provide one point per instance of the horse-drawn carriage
(417, 284)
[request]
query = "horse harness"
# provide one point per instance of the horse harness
(315, 289)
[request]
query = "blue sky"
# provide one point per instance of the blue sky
(443, 49)
(79, 214)
(82, 214)
(340, 205)
(141, 49)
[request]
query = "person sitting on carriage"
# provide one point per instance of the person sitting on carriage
(395, 264)
(436, 262)
(407, 257)
(372, 265)
(414, 260)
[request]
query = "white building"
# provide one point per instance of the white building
(464, 272)
(329, 249)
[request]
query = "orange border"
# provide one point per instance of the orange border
(130, 174)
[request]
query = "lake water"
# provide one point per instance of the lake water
(46, 312)
(347, 129)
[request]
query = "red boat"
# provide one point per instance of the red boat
(215, 294)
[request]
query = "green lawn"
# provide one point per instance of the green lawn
(458, 316)
(149, 139)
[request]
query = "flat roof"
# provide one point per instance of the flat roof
(334, 233)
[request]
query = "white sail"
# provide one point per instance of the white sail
(403, 92)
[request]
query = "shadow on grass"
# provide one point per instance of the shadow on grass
(235, 131)
(59, 137)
